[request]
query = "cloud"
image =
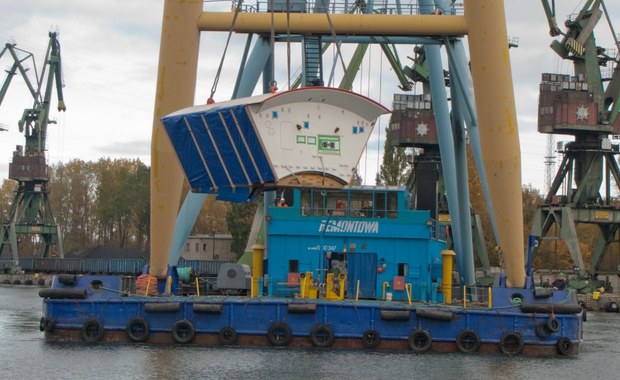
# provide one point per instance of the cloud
(110, 51)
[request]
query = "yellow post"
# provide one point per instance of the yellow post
(148, 285)
(197, 287)
(176, 84)
(447, 258)
(302, 285)
(497, 124)
(258, 250)
(342, 283)
(385, 285)
(465, 296)
(490, 297)
(409, 290)
(357, 290)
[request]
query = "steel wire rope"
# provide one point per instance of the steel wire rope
(219, 69)
(288, 43)
(333, 32)
(379, 122)
(272, 42)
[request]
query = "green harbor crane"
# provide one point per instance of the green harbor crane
(584, 105)
(31, 213)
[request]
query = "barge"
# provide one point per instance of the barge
(339, 266)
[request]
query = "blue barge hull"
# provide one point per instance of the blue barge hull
(83, 312)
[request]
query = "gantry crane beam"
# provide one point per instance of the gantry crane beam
(343, 24)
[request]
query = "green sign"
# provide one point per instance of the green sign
(329, 144)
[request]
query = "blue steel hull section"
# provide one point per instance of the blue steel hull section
(220, 152)
(348, 319)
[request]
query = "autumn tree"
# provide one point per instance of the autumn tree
(122, 198)
(394, 168)
(7, 193)
(212, 218)
(72, 195)
(239, 220)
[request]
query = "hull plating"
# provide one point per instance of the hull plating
(347, 324)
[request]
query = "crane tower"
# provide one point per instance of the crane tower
(582, 106)
(31, 213)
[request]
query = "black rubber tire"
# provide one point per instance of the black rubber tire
(279, 334)
(511, 343)
(322, 335)
(371, 339)
(420, 340)
(565, 346)
(542, 331)
(49, 325)
(42, 324)
(227, 335)
(183, 331)
(67, 279)
(553, 324)
(92, 330)
(137, 329)
(611, 307)
(468, 341)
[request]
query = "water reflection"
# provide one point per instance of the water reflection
(25, 355)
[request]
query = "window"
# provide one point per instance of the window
(379, 205)
(403, 269)
(204, 247)
(361, 205)
(318, 203)
(392, 204)
(305, 202)
(337, 203)
(293, 266)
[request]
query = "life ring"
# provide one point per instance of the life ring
(511, 343)
(553, 324)
(564, 345)
(137, 329)
(322, 335)
(468, 341)
(183, 331)
(92, 330)
(542, 331)
(279, 334)
(420, 340)
(371, 338)
(227, 335)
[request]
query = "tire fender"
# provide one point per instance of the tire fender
(322, 335)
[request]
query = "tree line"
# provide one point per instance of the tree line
(106, 203)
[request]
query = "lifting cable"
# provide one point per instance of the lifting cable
(273, 85)
(331, 28)
(219, 69)
(288, 43)
(611, 26)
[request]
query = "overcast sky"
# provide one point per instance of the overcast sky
(109, 57)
